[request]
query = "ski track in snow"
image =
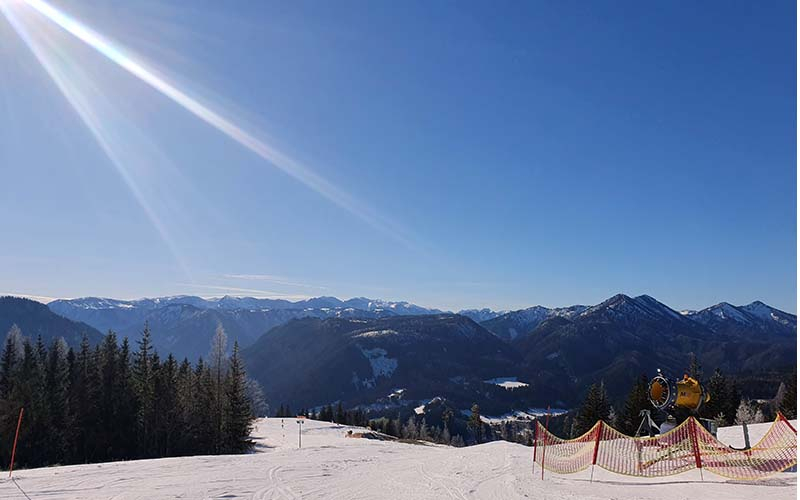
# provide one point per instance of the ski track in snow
(332, 466)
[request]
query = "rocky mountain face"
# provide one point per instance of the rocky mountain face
(516, 324)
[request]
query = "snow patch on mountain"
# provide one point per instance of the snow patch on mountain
(377, 333)
(381, 365)
(529, 414)
(480, 315)
(506, 382)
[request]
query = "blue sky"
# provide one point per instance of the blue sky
(453, 154)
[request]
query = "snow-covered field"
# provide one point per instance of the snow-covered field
(332, 466)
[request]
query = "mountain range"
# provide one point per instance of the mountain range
(560, 353)
(361, 351)
(184, 325)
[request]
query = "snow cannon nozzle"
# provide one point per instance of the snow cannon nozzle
(670, 394)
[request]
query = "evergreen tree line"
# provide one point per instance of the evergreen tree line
(327, 413)
(110, 402)
(417, 429)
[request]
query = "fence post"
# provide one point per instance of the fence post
(544, 439)
(14, 448)
(786, 421)
(746, 436)
(599, 425)
(695, 447)
(535, 439)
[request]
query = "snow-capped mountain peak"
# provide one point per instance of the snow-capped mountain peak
(751, 318)
(643, 306)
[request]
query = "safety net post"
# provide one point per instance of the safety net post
(598, 432)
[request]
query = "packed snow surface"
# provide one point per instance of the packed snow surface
(330, 465)
(734, 435)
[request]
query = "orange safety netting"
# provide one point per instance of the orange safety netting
(687, 446)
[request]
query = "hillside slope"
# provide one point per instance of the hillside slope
(311, 362)
(329, 465)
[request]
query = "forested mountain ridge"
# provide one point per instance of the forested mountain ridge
(309, 357)
(35, 319)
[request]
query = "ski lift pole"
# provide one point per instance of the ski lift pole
(14, 448)
(535, 440)
(300, 422)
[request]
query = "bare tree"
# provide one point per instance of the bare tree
(219, 361)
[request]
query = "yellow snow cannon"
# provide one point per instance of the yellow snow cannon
(668, 394)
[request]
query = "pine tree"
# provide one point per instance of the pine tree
(255, 394)
(22, 395)
(475, 423)
(637, 400)
(218, 358)
(409, 430)
(788, 404)
(186, 397)
(238, 416)
(144, 387)
(595, 407)
(718, 391)
(85, 408)
(339, 417)
(56, 380)
(204, 421)
(695, 369)
(447, 418)
(41, 421)
(125, 430)
(109, 410)
(424, 434)
(566, 426)
(166, 381)
(444, 437)
(8, 363)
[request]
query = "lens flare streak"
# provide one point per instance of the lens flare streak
(70, 84)
(269, 153)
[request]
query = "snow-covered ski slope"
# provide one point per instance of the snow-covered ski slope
(332, 466)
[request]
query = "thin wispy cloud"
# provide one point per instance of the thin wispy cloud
(278, 280)
(257, 293)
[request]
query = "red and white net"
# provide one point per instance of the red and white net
(687, 446)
